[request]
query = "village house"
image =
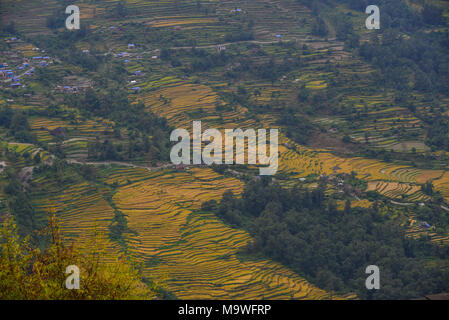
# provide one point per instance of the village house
(424, 225)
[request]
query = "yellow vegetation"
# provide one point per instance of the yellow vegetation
(195, 251)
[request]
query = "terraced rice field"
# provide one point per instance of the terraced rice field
(358, 203)
(22, 148)
(81, 209)
(181, 102)
(395, 179)
(88, 128)
(442, 185)
(396, 190)
(182, 21)
(194, 252)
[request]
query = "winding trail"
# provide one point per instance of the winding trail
(126, 164)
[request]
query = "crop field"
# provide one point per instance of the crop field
(396, 180)
(88, 128)
(397, 190)
(181, 103)
(358, 203)
(179, 22)
(442, 185)
(247, 64)
(82, 211)
(196, 254)
(20, 149)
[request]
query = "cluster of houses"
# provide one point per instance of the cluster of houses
(71, 89)
(74, 84)
(23, 66)
(13, 39)
(10, 76)
(126, 56)
(42, 60)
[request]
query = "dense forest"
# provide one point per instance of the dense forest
(332, 248)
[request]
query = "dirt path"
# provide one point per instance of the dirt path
(401, 203)
(218, 44)
(126, 164)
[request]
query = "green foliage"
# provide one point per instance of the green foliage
(304, 231)
(17, 124)
(20, 204)
(319, 27)
(140, 122)
(28, 273)
(297, 127)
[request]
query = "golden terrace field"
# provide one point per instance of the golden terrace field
(307, 161)
(88, 128)
(387, 178)
(179, 22)
(182, 102)
(81, 209)
(194, 253)
(398, 190)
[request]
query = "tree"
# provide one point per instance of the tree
(319, 27)
(432, 14)
(121, 10)
(29, 273)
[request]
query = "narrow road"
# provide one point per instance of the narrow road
(212, 46)
(126, 164)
